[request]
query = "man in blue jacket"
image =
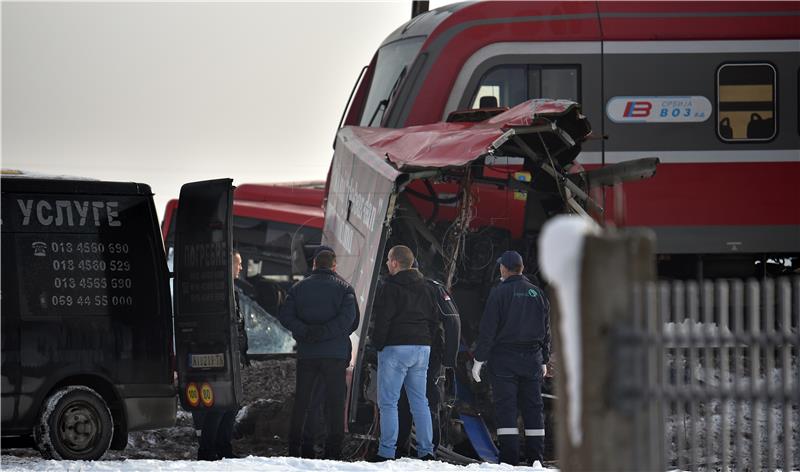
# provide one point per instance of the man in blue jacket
(320, 311)
(514, 337)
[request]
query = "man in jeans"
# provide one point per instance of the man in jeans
(320, 311)
(405, 313)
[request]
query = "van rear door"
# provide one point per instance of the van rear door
(205, 317)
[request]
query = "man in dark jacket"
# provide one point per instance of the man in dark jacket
(404, 312)
(320, 311)
(514, 336)
(216, 427)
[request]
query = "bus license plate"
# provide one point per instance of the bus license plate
(207, 361)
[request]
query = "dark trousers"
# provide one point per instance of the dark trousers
(404, 410)
(331, 372)
(314, 428)
(517, 385)
(216, 435)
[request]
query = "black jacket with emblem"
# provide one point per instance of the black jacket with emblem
(517, 316)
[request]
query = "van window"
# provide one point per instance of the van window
(83, 255)
(509, 85)
(746, 102)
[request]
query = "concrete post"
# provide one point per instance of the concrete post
(612, 264)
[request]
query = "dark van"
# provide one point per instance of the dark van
(87, 324)
(86, 315)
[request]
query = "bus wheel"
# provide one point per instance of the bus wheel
(75, 424)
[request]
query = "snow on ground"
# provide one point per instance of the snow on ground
(252, 463)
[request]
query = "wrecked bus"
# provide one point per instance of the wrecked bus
(371, 206)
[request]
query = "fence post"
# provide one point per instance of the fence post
(612, 264)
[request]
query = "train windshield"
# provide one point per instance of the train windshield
(394, 60)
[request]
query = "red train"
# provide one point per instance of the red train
(710, 88)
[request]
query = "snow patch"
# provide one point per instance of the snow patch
(251, 463)
(689, 328)
(560, 256)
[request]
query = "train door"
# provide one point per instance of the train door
(205, 316)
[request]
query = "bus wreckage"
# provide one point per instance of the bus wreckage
(458, 193)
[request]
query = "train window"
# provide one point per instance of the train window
(746, 102)
(510, 85)
(394, 60)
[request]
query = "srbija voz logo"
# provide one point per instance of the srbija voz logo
(692, 109)
(635, 109)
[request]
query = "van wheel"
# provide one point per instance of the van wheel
(75, 424)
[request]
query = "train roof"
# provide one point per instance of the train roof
(614, 20)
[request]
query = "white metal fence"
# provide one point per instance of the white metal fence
(709, 373)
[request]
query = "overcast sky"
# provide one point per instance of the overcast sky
(168, 93)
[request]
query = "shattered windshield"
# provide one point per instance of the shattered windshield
(393, 60)
(265, 334)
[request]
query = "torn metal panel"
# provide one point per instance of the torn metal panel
(362, 185)
(457, 144)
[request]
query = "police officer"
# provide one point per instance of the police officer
(514, 337)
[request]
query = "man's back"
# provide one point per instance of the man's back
(322, 300)
(405, 311)
(516, 315)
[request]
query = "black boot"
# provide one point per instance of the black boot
(333, 450)
(295, 450)
(207, 455)
(509, 448)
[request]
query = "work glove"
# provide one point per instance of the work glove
(314, 333)
(476, 370)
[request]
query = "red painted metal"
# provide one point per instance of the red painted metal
(455, 144)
